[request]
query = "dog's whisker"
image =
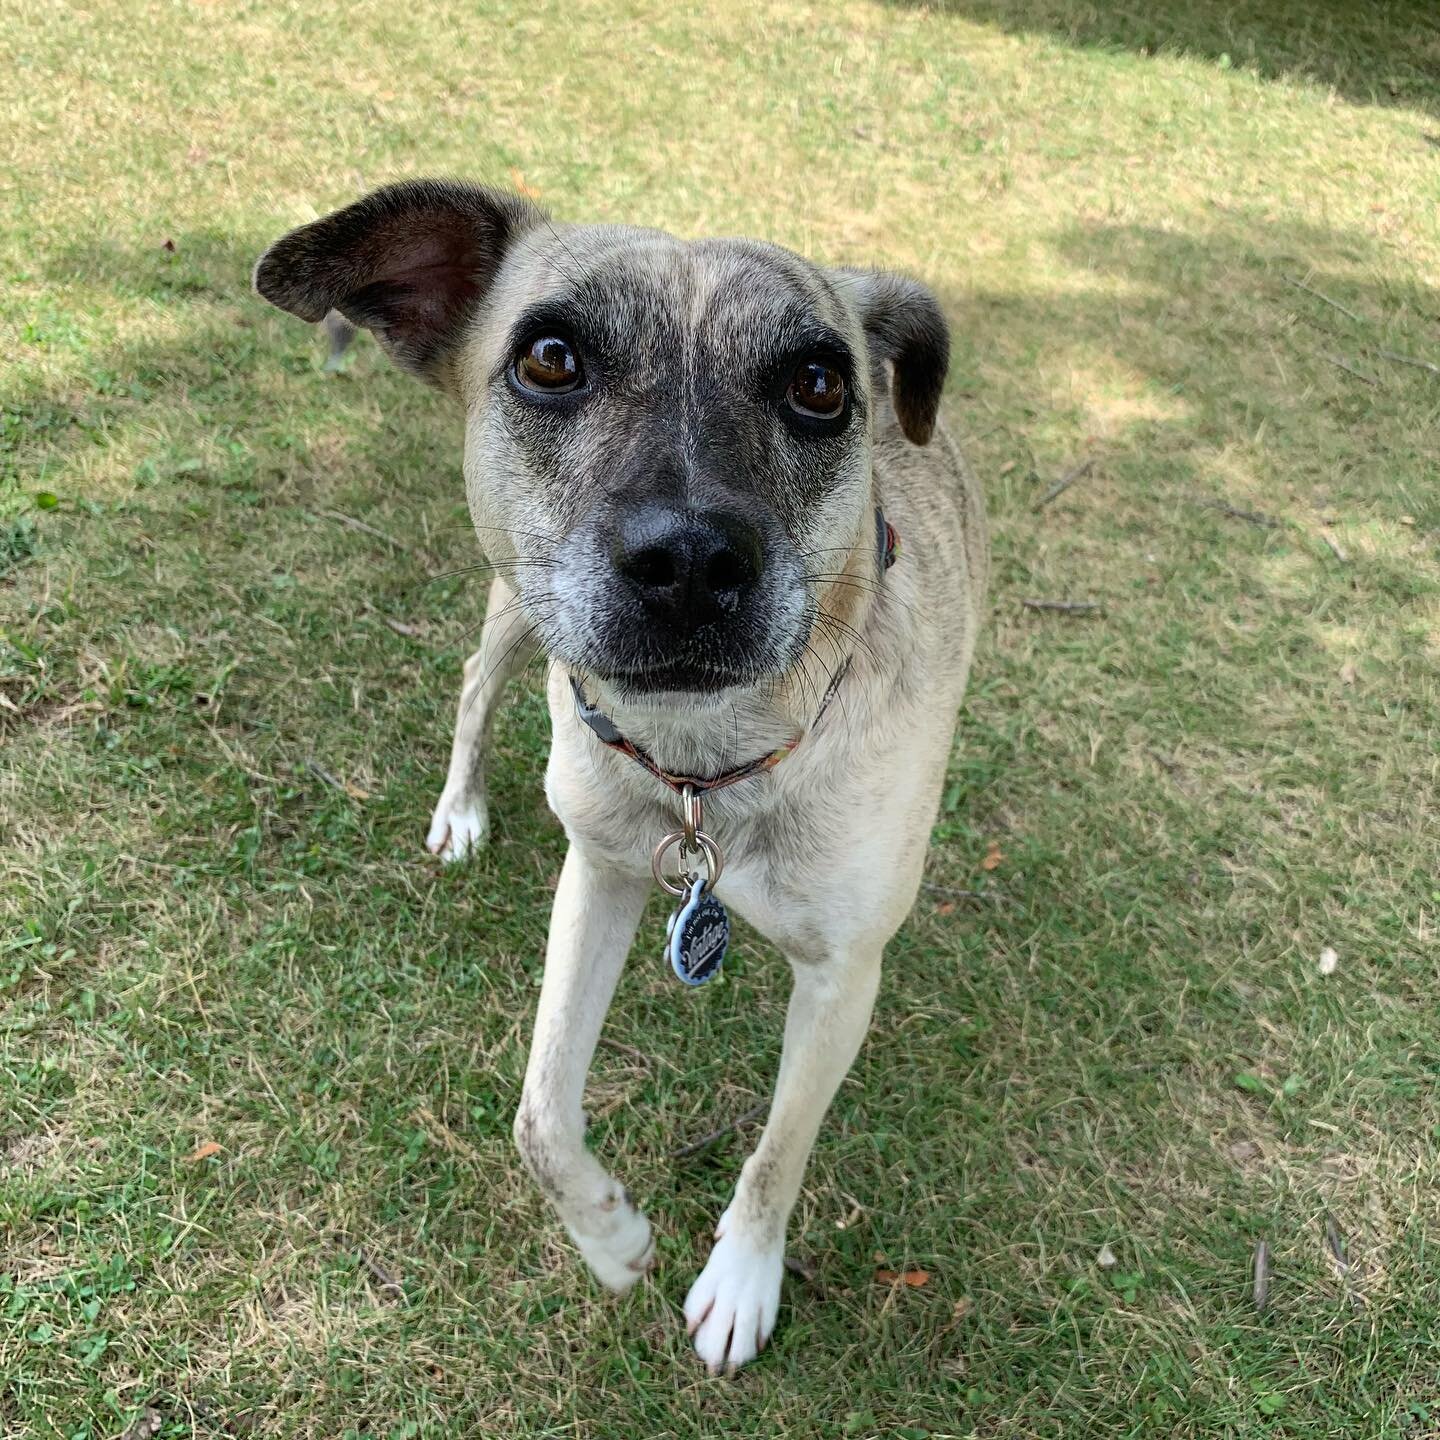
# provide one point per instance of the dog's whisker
(517, 605)
(487, 567)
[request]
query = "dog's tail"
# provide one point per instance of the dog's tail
(341, 332)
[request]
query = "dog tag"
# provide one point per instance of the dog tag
(696, 937)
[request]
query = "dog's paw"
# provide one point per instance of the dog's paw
(459, 827)
(731, 1308)
(620, 1249)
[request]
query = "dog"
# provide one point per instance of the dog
(712, 483)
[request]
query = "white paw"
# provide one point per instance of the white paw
(620, 1249)
(731, 1308)
(459, 827)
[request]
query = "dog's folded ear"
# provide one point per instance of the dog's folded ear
(905, 325)
(408, 262)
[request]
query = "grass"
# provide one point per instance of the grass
(1193, 791)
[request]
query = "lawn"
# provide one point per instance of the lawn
(1171, 991)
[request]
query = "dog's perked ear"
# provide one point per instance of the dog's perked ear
(904, 325)
(408, 262)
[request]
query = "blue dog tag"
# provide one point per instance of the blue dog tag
(697, 935)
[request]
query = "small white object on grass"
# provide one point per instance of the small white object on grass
(1328, 960)
(1106, 1258)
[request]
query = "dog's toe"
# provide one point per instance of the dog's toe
(623, 1253)
(731, 1308)
(457, 829)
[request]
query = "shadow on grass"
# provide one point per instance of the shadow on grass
(229, 374)
(1377, 54)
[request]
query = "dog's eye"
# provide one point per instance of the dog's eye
(548, 363)
(817, 389)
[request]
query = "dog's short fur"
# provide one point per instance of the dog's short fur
(683, 414)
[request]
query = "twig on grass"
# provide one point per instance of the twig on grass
(753, 1113)
(1334, 545)
(1340, 362)
(1320, 295)
(315, 767)
(1074, 473)
(351, 523)
(390, 1288)
(1397, 359)
(1336, 1246)
(950, 894)
(1251, 517)
(1066, 607)
(1262, 1275)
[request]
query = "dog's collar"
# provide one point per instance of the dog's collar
(887, 551)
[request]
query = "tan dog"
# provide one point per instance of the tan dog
(688, 463)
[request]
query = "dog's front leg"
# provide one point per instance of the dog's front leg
(591, 927)
(461, 821)
(731, 1307)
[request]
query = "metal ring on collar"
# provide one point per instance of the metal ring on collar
(692, 815)
(714, 861)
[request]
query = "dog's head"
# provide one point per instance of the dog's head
(668, 443)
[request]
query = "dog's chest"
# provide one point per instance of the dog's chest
(773, 831)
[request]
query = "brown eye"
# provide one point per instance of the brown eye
(548, 363)
(817, 389)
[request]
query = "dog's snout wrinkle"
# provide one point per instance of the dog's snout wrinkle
(687, 567)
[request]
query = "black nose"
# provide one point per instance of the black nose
(688, 567)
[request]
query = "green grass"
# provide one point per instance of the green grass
(1194, 791)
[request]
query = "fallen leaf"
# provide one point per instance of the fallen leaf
(1106, 1258)
(913, 1278)
(963, 1306)
(355, 792)
(1008, 466)
(204, 1151)
(993, 856)
(945, 907)
(517, 179)
(1347, 673)
(1328, 960)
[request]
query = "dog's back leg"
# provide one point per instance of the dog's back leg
(507, 645)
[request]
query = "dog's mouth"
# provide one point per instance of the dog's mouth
(678, 677)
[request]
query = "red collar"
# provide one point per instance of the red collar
(887, 551)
